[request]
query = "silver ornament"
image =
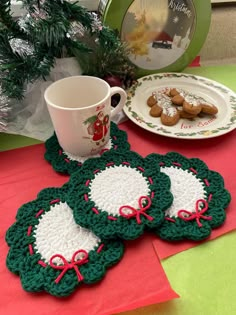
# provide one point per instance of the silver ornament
(77, 30)
(97, 25)
(22, 23)
(20, 46)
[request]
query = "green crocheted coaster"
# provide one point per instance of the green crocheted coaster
(200, 198)
(67, 163)
(119, 195)
(51, 252)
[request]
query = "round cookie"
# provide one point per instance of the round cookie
(170, 116)
(178, 100)
(173, 92)
(152, 100)
(156, 111)
(192, 105)
(209, 109)
(185, 115)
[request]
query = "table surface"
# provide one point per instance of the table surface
(203, 276)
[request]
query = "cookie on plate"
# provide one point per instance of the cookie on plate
(178, 99)
(170, 116)
(185, 115)
(173, 92)
(156, 111)
(209, 109)
(192, 105)
(152, 100)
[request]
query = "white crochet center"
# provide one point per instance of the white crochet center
(57, 233)
(186, 189)
(117, 186)
(82, 159)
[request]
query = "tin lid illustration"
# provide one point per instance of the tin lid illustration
(161, 35)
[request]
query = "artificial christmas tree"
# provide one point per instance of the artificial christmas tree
(32, 46)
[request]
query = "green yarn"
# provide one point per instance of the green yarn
(93, 210)
(59, 160)
(80, 201)
(217, 197)
(35, 277)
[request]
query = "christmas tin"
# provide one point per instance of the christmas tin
(162, 35)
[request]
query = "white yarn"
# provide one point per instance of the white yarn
(186, 189)
(118, 186)
(82, 159)
(57, 233)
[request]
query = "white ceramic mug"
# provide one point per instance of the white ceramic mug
(80, 110)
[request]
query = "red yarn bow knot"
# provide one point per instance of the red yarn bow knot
(70, 265)
(196, 215)
(137, 212)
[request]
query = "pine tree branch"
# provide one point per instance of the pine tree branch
(16, 70)
(7, 21)
(51, 29)
(50, 32)
(5, 12)
(75, 12)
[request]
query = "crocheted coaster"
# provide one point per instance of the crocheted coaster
(199, 202)
(67, 163)
(51, 252)
(119, 195)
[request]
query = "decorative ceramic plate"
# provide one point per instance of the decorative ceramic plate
(198, 128)
(161, 35)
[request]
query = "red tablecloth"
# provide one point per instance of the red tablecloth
(24, 173)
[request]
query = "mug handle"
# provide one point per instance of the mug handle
(123, 97)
